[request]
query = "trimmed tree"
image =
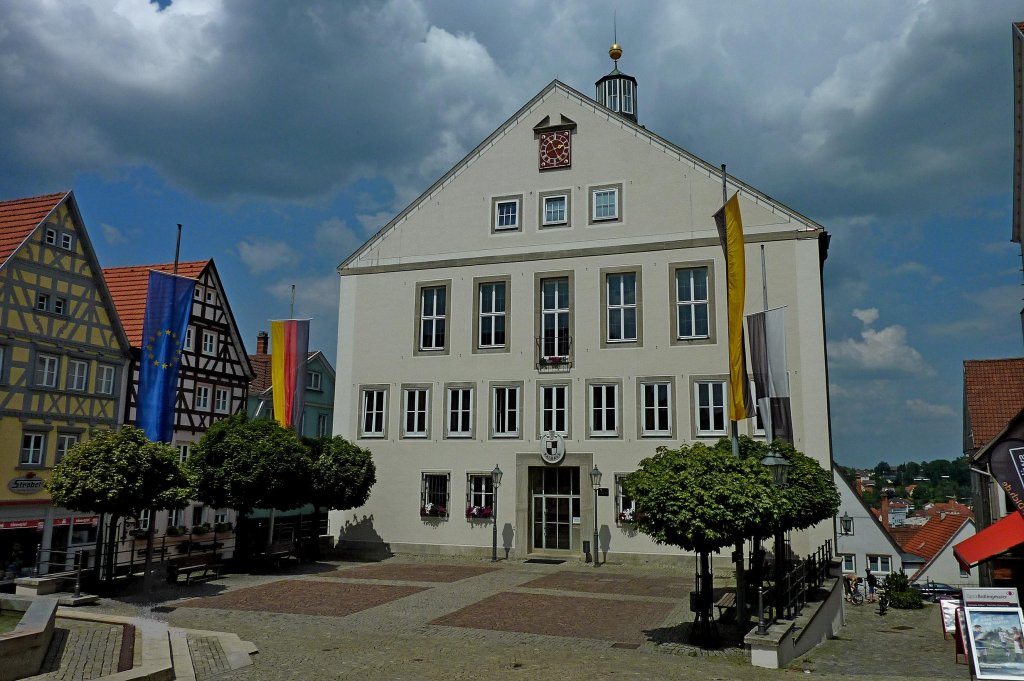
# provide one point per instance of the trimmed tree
(701, 499)
(119, 473)
(342, 475)
(245, 464)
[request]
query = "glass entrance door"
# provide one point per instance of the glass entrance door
(554, 502)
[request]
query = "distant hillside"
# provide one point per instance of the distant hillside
(937, 480)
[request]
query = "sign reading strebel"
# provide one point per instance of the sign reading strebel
(552, 447)
(25, 485)
(1007, 463)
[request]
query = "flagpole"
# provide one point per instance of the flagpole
(291, 310)
(177, 249)
(766, 416)
(734, 435)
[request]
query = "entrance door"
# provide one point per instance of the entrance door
(554, 502)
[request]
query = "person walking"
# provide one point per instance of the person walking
(872, 584)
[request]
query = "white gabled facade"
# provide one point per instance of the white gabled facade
(593, 260)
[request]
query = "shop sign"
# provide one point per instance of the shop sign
(991, 597)
(22, 524)
(26, 485)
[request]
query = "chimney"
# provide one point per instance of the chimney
(885, 511)
(860, 487)
(261, 343)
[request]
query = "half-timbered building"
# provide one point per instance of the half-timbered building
(63, 362)
(215, 370)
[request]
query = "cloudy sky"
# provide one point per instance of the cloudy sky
(283, 134)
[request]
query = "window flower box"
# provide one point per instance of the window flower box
(222, 527)
(630, 515)
(479, 512)
(433, 511)
(553, 361)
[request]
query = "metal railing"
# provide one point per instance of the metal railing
(554, 354)
(798, 585)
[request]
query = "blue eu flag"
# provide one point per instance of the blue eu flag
(168, 305)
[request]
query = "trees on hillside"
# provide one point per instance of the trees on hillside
(119, 473)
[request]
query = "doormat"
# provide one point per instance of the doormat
(545, 561)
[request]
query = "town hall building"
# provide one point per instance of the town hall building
(552, 305)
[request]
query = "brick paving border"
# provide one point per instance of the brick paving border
(615, 583)
(306, 597)
(411, 572)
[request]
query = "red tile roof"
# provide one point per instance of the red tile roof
(20, 217)
(261, 365)
(993, 394)
(903, 533)
(934, 535)
(128, 286)
(949, 508)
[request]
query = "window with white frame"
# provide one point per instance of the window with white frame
(105, 379)
(692, 303)
(849, 563)
(880, 564)
(506, 214)
(51, 236)
(313, 379)
(144, 519)
(176, 518)
(416, 401)
(656, 408)
(66, 241)
(32, 449)
(183, 450)
(209, 343)
(60, 306)
(506, 411)
(492, 315)
(710, 404)
(221, 400)
(434, 494)
(220, 515)
(479, 495)
(374, 412)
(203, 397)
(604, 409)
(605, 204)
(65, 441)
(43, 302)
(211, 296)
(627, 96)
(189, 338)
(621, 307)
(78, 375)
(555, 317)
(554, 409)
(625, 507)
(555, 210)
(460, 412)
(433, 317)
(197, 515)
(323, 425)
(758, 421)
(46, 371)
(197, 292)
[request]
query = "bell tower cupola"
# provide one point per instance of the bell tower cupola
(617, 91)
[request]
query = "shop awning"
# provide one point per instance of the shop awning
(997, 538)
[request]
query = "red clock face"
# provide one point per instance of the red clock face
(555, 149)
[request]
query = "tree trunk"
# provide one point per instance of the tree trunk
(316, 532)
(704, 631)
(147, 577)
(111, 547)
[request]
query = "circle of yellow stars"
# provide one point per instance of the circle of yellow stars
(177, 349)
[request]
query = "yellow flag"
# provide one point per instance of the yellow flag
(730, 229)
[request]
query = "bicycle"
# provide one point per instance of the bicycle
(855, 596)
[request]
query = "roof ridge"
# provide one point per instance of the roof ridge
(150, 266)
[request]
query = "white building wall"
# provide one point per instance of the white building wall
(868, 537)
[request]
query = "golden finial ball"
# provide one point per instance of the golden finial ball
(615, 51)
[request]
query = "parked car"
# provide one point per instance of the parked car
(933, 591)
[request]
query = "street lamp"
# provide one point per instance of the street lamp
(595, 481)
(779, 467)
(496, 483)
(846, 524)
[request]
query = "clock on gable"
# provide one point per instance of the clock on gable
(555, 149)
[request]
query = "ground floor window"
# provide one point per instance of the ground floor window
(880, 564)
(480, 495)
(849, 562)
(434, 493)
(625, 507)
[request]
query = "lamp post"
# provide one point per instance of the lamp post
(595, 481)
(496, 483)
(779, 467)
(846, 524)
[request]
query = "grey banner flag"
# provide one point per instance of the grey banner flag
(767, 333)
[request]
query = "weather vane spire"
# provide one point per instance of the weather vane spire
(615, 51)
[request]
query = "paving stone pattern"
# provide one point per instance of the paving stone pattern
(208, 658)
(397, 637)
(81, 651)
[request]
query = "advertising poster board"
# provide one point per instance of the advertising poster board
(947, 607)
(999, 597)
(996, 636)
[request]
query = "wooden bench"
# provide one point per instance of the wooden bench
(727, 604)
(278, 551)
(196, 565)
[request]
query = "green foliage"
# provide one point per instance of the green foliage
(121, 473)
(245, 464)
(342, 473)
(701, 498)
(897, 588)
(810, 495)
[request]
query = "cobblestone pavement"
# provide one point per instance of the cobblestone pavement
(404, 638)
(81, 651)
(208, 658)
